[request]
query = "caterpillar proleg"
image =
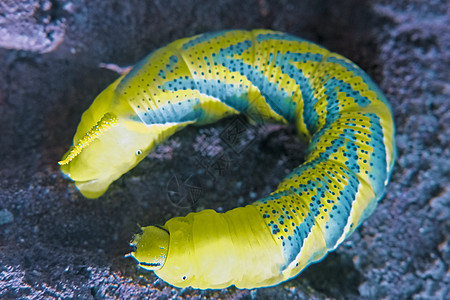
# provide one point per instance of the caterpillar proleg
(270, 77)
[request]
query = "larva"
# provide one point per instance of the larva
(270, 77)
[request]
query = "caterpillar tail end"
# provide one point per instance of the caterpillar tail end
(151, 247)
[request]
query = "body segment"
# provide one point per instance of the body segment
(270, 77)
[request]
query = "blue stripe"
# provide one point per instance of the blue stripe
(359, 72)
(204, 38)
(171, 112)
(231, 95)
(278, 36)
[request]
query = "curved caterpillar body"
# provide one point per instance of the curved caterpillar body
(270, 77)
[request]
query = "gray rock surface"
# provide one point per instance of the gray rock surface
(56, 244)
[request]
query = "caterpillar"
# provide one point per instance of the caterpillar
(271, 77)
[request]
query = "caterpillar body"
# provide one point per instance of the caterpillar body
(270, 77)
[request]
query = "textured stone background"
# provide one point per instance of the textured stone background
(56, 244)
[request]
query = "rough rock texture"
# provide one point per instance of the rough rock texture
(56, 244)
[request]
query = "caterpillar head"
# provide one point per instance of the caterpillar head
(108, 143)
(151, 247)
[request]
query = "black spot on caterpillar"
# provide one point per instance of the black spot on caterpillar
(270, 77)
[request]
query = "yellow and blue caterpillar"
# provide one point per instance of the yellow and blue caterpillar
(270, 77)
